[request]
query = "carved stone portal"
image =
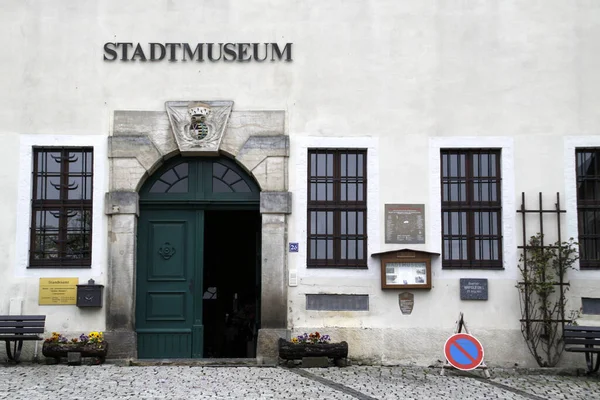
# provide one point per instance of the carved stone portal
(141, 141)
(198, 126)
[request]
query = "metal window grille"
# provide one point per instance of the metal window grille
(61, 217)
(337, 208)
(471, 208)
(588, 207)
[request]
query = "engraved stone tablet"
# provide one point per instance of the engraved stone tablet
(407, 302)
(337, 302)
(473, 289)
(405, 223)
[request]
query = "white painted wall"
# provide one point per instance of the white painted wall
(21, 283)
(384, 67)
(402, 78)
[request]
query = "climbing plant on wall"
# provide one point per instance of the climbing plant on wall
(542, 296)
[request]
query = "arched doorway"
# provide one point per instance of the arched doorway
(198, 261)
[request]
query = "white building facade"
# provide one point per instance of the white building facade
(223, 168)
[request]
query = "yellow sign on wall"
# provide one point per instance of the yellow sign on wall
(58, 291)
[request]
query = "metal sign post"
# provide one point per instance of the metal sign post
(463, 351)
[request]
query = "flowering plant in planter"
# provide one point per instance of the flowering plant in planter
(90, 345)
(313, 345)
(92, 337)
(315, 337)
(56, 338)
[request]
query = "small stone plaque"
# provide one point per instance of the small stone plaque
(73, 358)
(315, 362)
(473, 289)
(407, 302)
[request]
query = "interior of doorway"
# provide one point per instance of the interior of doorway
(231, 300)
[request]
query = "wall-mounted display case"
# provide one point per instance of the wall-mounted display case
(405, 269)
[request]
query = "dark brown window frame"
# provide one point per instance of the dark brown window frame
(338, 206)
(60, 207)
(587, 205)
(470, 206)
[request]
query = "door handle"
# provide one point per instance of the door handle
(191, 285)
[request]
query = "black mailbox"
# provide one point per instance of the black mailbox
(89, 295)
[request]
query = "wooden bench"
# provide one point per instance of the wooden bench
(17, 328)
(584, 339)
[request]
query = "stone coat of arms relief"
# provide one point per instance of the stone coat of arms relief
(198, 126)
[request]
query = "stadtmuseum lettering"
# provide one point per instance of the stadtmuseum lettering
(199, 52)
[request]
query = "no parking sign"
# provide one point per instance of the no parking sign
(463, 351)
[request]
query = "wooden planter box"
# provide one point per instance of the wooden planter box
(298, 351)
(58, 350)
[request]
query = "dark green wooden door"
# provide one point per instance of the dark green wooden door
(169, 308)
(170, 245)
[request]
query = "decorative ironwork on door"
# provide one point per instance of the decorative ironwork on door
(166, 251)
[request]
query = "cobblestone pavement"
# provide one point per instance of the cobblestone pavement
(36, 382)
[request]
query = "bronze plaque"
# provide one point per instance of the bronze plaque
(406, 301)
(54, 291)
(404, 223)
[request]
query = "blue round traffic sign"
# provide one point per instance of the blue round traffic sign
(463, 351)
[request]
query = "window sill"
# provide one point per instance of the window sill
(337, 267)
(464, 268)
(59, 267)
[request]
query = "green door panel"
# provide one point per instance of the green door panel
(169, 271)
(164, 344)
(167, 264)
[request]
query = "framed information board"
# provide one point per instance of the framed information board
(406, 269)
(406, 273)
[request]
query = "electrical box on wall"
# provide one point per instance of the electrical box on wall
(406, 269)
(89, 295)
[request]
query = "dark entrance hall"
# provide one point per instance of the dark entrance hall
(231, 299)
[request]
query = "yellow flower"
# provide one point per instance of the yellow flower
(294, 340)
(95, 337)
